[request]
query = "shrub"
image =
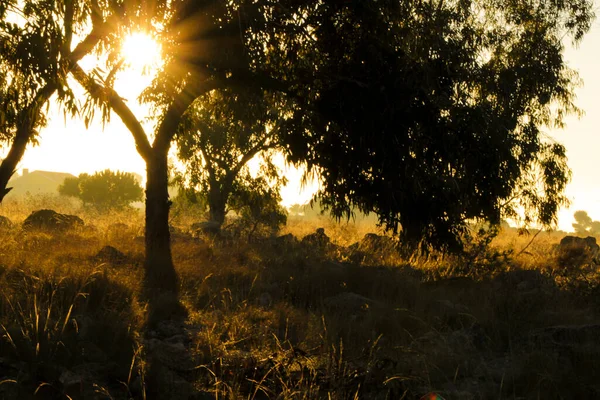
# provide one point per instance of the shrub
(106, 190)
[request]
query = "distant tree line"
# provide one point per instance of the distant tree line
(584, 224)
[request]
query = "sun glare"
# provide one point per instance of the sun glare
(141, 51)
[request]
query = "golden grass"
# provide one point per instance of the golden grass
(295, 322)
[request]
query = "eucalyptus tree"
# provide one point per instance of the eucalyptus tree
(428, 113)
(433, 112)
(218, 136)
(41, 41)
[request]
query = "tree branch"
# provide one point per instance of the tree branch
(249, 155)
(208, 160)
(30, 115)
(120, 108)
(168, 127)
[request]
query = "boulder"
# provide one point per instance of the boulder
(5, 223)
(206, 228)
(377, 243)
(318, 239)
(578, 242)
(352, 303)
(117, 230)
(51, 221)
(573, 252)
(372, 249)
(111, 255)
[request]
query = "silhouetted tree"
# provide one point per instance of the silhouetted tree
(431, 113)
(584, 225)
(220, 133)
(106, 190)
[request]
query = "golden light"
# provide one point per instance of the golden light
(141, 52)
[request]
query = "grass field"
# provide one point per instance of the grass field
(286, 320)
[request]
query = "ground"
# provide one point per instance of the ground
(282, 319)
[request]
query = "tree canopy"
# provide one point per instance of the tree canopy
(431, 114)
(219, 135)
(106, 190)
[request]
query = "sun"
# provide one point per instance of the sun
(141, 52)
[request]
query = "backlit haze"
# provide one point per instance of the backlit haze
(66, 146)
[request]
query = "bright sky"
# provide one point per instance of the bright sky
(581, 136)
(69, 147)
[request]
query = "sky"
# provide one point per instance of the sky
(581, 136)
(67, 146)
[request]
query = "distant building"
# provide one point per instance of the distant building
(37, 182)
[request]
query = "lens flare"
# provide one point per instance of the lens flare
(141, 51)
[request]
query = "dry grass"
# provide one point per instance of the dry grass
(287, 321)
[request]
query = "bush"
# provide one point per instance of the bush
(106, 190)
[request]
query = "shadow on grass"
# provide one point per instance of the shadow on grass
(69, 335)
(295, 320)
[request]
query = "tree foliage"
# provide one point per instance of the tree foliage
(38, 51)
(106, 190)
(431, 114)
(584, 225)
(219, 135)
(257, 204)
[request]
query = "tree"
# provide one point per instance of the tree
(220, 133)
(584, 225)
(70, 186)
(106, 190)
(37, 53)
(437, 110)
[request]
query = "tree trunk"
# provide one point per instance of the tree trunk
(160, 275)
(218, 195)
(216, 206)
(9, 164)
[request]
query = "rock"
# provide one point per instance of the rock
(166, 384)
(352, 303)
(284, 241)
(70, 378)
(118, 231)
(5, 223)
(575, 251)
(377, 243)
(318, 239)
(174, 356)
(453, 315)
(85, 326)
(574, 241)
(206, 228)
(181, 237)
(372, 249)
(111, 255)
(575, 352)
(265, 300)
(51, 221)
(568, 335)
(91, 353)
